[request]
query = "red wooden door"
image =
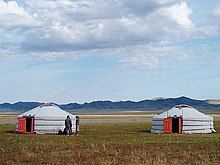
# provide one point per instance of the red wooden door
(167, 125)
(180, 125)
(22, 124)
(32, 124)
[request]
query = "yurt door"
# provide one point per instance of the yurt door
(77, 124)
(22, 124)
(167, 125)
(30, 124)
(180, 124)
(177, 125)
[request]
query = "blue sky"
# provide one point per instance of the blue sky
(84, 50)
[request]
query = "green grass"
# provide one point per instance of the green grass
(122, 143)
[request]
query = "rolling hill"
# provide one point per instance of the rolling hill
(145, 105)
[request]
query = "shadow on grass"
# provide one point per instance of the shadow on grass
(145, 131)
(10, 131)
(7, 132)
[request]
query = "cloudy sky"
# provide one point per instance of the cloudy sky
(84, 50)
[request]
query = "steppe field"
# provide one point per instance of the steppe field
(108, 139)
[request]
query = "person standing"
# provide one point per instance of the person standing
(68, 125)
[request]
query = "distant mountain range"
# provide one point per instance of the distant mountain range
(144, 105)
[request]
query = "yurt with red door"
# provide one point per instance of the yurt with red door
(182, 119)
(45, 119)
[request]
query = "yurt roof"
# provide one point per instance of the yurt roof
(47, 110)
(185, 111)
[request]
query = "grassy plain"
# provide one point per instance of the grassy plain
(109, 143)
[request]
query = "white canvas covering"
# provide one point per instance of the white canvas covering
(193, 120)
(49, 118)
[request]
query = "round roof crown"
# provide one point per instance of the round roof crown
(47, 105)
(182, 106)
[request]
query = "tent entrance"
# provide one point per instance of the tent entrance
(22, 124)
(30, 124)
(26, 124)
(175, 125)
(172, 125)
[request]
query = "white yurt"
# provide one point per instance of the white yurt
(182, 119)
(45, 119)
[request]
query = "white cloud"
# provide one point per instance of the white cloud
(143, 7)
(52, 29)
(11, 7)
(141, 62)
(154, 56)
(216, 11)
(14, 16)
(92, 24)
(180, 14)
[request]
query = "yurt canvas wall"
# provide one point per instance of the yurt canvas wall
(184, 118)
(47, 118)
